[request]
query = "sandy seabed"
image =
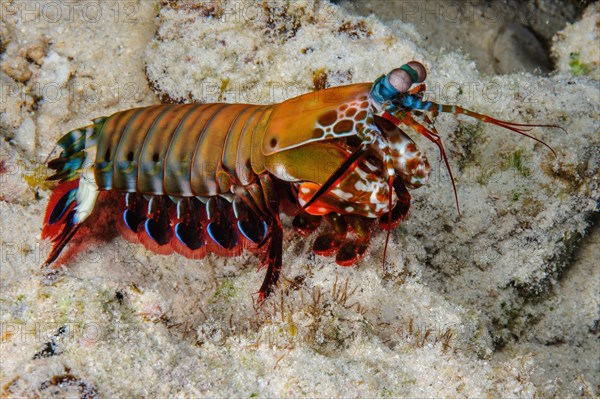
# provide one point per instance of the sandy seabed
(502, 301)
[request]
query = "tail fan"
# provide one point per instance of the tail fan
(58, 221)
(73, 199)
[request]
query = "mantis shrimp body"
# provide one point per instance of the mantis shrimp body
(213, 178)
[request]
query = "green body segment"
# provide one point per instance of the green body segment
(182, 147)
(108, 141)
(151, 165)
(180, 150)
(210, 148)
(229, 167)
(129, 148)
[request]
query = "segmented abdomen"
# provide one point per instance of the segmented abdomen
(180, 150)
